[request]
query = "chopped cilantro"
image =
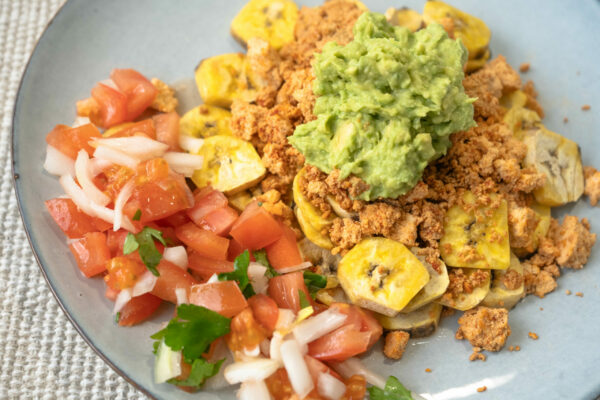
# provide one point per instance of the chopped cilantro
(240, 274)
(303, 299)
(261, 258)
(117, 317)
(314, 282)
(137, 215)
(393, 390)
(200, 372)
(193, 330)
(144, 243)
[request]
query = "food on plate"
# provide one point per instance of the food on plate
(347, 175)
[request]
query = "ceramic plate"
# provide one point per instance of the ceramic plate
(167, 39)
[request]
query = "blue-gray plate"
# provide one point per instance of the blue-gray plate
(167, 39)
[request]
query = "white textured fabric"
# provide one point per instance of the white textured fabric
(41, 354)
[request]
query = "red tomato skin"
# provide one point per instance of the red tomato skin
(256, 228)
(145, 128)
(371, 325)
(111, 293)
(171, 277)
(115, 241)
(159, 199)
(73, 222)
(138, 309)
(139, 91)
(202, 241)
(284, 252)
(316, 367)
(167, 129)
(220, 220)
(206, 201)
(339, 345)
(69, 140)
(284, 289)
(224, 297)
(205, 267)
(265, 311)
(113, 105)
(179, 218)
(91, 253)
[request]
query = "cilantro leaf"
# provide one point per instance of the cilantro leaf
(193, 330)
(261, 257)
(303, 300)
(314, 282)
(394, 390)
(200, 372)
(117, 317)
(137, 215)
(240, 274)
(144, 243)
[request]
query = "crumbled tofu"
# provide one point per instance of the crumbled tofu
(165, 100)
(574, 242)
(395, 344)
(524, 67)
(533, 335)
(484, 327)
(586, 107)
(592, 184)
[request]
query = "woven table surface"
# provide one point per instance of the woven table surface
(41, 354)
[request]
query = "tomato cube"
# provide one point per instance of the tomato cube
(205, 267)
(72, 221)
(284, 252)
(145, 127)
(225, 297)
(284, 289)
(256, 228)
(140, 91)
(91, 253)
(112, 104)
(202, 241)
(265, 311)
(206, 201)
(171, 278)
(69, 140)
(138, 309)
(220, 220)
(167, 129)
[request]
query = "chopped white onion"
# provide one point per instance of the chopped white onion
(214, 278)
(253, 390)
(177, 255)
(265, 347)
(122, 298)
(82, 171)
(108, 215)
(255, 352)
(98, 165)
(254, 370)
(183, 163)
(181, 295)
(275, 346)
(191, 144)
(116, 157)
(110, 83)
(353, 366)
(293, 361)
(321, 324)
(144, 285)
(167, 363)
(140, 147)
(57, 163)
(256, 273)
(120, 201)
(330, 387)
(285, 319)
(80, 121)
(76, 194)
(295, 268)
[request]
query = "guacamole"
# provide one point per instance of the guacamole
(386, 105)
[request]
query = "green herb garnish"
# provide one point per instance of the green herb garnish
(201, 371)
(240, 274)
(314, 282)
(303, 299)
(261, 257)
(144, 243)
(393, 390)
(117, 317)
(137, 215)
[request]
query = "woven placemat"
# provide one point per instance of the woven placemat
(41, 354)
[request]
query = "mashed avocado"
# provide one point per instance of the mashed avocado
(387, 104)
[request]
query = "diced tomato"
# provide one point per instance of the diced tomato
(115, 241)
(224, 297)
(265, 311)
(202, 241)
(235, 249)
(69, 140)
(124, 271)
(145, 127)
(171, 278)
(116, 177)
(245, 332)
(205, 267)
(220, 220)
(111, 293)
(179, 218)
(371, 325)
(167, 129)
(101, 225)
(284, 289)
(112, 103)
(339, 345)
(91, 253)
(316, 367)
(284, 252)
(155, 169)
(73, 222)
(138, 309)
(256, 228)
(140, 91)
(356, 388)
(206, 200)
(159, 199)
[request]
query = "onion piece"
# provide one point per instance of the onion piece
(293, 361)
(330, 387)
(108, 215)
(177, 255)
(275, 346)
(321, 324)
(57, 163)
(181, 295)
(254, 370)
(80, 121)
(82, 171)
(256, 273)
(167, 363)
(183, 163)
(294, 268)
(353, 366)
(120, 201)
(285, 319)
(190, 143)
(116, 157)
(98, 165)
(122, 298)
(265, 347)
(140, 147)
(252, 353)
(253, 390)
(110, 83)
(144, 284)
(214, 278)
